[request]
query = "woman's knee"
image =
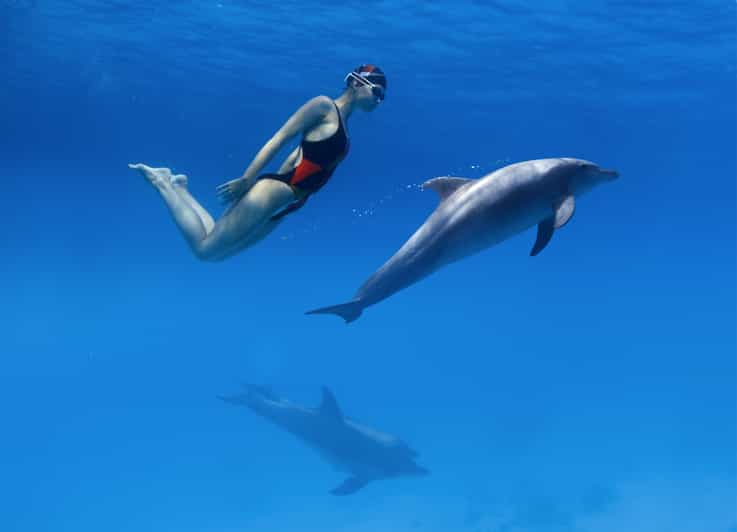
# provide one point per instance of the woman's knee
(206, 252)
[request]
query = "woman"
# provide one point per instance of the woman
(257, 203)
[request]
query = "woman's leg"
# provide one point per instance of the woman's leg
(180, 185)
(255, 237)
(188, 221)
(249, 218)
(248, 221)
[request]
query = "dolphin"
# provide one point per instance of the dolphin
(475, 214)
(363, 452)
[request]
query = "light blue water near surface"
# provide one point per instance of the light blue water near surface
(591, 388)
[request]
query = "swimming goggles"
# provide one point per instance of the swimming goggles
(377, 90)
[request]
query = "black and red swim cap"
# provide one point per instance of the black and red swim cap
(371, 73)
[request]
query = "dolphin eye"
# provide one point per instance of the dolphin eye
(588, 167)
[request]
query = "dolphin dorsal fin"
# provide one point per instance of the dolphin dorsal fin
(329, 406)
(445, 186)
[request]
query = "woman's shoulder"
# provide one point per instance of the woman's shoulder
(322, 103)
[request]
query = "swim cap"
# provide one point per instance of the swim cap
(372, 74)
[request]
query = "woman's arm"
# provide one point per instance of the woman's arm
(291, 160)
(306, 117)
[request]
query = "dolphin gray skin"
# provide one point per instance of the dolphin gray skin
(475, 214)
(364, 453)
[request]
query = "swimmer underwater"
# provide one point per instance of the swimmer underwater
(257, 202)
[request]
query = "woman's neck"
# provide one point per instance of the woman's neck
(346, 104)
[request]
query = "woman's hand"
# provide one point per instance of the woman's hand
(233, 190)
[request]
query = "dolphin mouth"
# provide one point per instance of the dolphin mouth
(608, 173)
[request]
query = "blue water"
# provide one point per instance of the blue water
(591, 388)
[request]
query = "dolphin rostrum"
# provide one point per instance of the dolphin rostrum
(475, 214)
(364, 453)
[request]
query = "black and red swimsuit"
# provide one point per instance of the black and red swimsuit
(319, 159)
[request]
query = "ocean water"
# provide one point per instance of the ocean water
(591, 388)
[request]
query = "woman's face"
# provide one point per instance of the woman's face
(367, 95)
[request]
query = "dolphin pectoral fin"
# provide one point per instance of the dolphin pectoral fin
(545, 231)
(349, 486)
(562, 213)
(564, 210)
(350, 311)
(445, 186)
(329, 406)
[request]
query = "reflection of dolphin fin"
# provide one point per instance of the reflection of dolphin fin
(348, 311)
(445, 186)
(329, 406)
(350, 485)
(544, 234)
(564, 210)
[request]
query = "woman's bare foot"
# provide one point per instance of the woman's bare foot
(158, 177)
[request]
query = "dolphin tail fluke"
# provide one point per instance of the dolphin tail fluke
(350, 311)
